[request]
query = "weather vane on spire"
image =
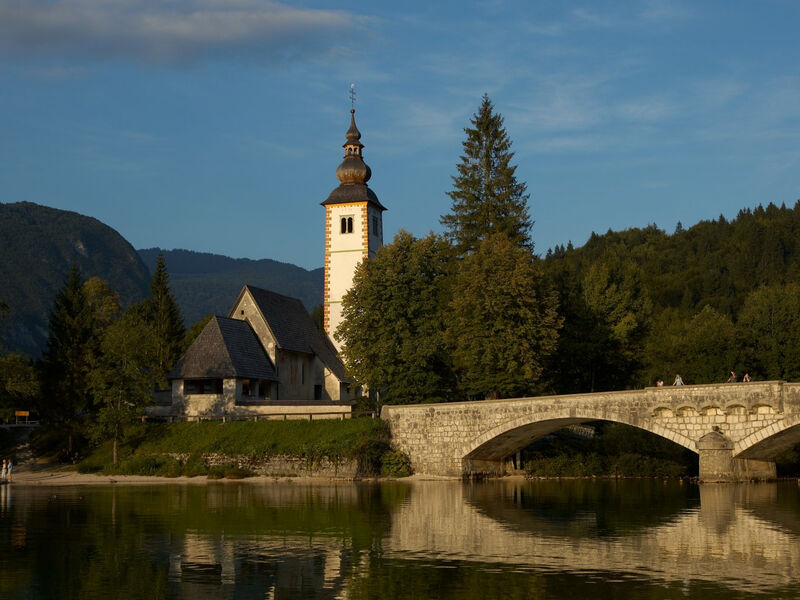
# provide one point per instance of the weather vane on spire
(352, 95)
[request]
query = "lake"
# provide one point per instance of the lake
(643, 539)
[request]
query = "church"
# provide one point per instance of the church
(266, 358)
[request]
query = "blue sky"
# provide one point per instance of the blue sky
(216, 125)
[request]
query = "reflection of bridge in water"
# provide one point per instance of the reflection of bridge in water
(737, 429)
(725, 540)
(740, 537)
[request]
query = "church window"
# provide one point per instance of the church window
(374, 225)
(347, 224)
(202, 386)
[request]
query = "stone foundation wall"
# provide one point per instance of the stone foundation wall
(286, 466)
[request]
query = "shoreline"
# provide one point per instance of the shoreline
(65, 477)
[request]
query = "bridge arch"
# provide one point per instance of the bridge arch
(767, 443)
(506, 438)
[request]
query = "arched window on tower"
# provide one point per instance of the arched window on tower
(347, 224)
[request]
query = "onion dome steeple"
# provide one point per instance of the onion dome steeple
(353, 173)
(353, 168)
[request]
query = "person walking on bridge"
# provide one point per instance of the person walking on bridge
(678, 380)
(732, 378)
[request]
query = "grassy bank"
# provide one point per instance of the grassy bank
(174, 449)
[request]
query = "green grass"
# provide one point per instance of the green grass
(151, 449)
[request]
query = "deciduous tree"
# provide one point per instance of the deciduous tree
(614, 292)
(393, 332)
(769, 331)
(19, 383)
(123, 376)
(503, 320)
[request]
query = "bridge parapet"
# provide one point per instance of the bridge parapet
(727, 397)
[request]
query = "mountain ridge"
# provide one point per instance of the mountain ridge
(206, 283)
(38, 245)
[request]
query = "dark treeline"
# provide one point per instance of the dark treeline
(640, 304)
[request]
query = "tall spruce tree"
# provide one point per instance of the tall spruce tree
(65, 363)
(162, 312)
(486, 196)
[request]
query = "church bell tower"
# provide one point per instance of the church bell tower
(353, 227)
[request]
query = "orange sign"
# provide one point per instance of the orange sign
(22, 413)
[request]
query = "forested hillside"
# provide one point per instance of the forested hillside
(38, 246)
(206, 283)
(642, 304)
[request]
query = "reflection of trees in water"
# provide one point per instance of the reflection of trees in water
(579, 508)
(169, 541)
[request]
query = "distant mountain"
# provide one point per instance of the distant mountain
(38, 246)
(206, 283)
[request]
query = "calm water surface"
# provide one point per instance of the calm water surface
(569, 539)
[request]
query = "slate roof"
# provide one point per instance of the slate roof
(225, 348)
(293, 328)
(353, 192)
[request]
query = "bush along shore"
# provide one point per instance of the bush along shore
(353, 449)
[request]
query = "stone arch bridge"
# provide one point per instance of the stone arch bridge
(737, 429)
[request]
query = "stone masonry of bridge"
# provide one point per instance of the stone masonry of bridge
(737, 429)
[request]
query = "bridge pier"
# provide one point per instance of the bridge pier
(718, 465)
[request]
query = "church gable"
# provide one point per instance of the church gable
(246, 309)
(283, 324)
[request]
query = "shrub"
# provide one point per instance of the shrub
(88, 467)
(216, 472)
(194, 466)
(236, 472)
(395, 464)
